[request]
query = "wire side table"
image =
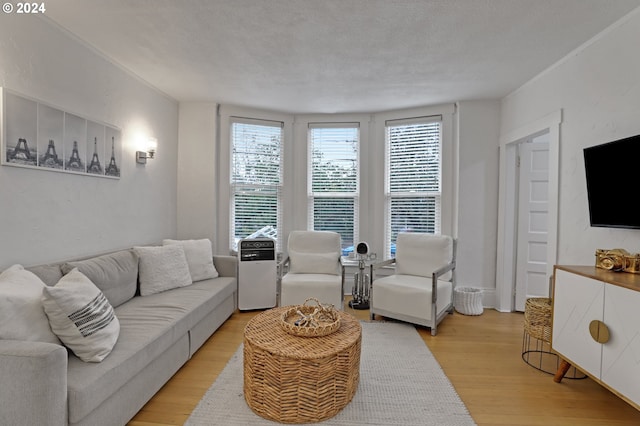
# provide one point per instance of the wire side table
(536, 339)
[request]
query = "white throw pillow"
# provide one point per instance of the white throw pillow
(22, 316)
(81, 316)
(162, 268)
(199, 258)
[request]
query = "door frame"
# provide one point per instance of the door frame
(507, 204)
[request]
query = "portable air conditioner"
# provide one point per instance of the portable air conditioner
(257, 280)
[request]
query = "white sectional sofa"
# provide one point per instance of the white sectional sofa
(47, 384)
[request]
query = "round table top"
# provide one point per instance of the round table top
(264, 331)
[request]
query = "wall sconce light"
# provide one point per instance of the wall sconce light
(141, 156)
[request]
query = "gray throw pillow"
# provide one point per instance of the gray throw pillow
(115, 274)
(49, 274)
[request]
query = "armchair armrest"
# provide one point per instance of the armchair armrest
(443, 270)
(284, 261)
(342, 266)
(34, 383)
(378, 265)
(438, 273)
(382, 264)
(283, 266)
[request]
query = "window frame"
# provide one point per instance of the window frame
(372, 162)
(235, 188)
(354, 195)
(425, 194)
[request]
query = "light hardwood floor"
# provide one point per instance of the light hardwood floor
(481, 355)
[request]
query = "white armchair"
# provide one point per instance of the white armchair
(312, 268)
(421, 289)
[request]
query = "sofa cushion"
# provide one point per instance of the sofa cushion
(115, 274)
(199, 258)
(410, 295)
(162, 268)
(22, 316)
(148, 327)
(49, 274)
(81, 316)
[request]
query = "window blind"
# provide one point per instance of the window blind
(334, 179)
(256, 179)
(413, 178)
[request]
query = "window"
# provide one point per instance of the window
(333, 179)
(413, 178)
(256, 179)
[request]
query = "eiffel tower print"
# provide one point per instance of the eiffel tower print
(50, 157)
(21, 154)
(95, 166)
(75, 163)
(112, 169)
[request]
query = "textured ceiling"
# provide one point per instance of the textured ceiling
(326, 56)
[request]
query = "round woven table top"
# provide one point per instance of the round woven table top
(264, 331)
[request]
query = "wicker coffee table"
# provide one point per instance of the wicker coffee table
(291, 379)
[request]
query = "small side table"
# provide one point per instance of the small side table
(360, 289)
(536, 341)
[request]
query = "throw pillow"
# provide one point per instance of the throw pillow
(162, 268)
(22, 316)
(115, 274)
(199, 258)
(81, 316)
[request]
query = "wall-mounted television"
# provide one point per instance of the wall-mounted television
(613, 172)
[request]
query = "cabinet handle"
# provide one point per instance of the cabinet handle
(599, 331)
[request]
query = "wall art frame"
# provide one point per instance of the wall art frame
(41, 136)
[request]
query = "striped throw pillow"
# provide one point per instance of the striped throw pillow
(81, 316)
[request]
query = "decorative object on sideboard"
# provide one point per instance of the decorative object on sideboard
(618, 260)
(39, 136)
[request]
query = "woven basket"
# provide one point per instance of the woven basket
(468, 300)
(309, 320)
(537, 318)
(290, 379)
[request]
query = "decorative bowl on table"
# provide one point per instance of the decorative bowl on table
(310, 320)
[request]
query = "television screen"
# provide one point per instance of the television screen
(613, 171)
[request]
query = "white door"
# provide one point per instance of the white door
(533, 209)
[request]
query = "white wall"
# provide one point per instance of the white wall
(597, 88)
(478, 126)
(47, 216)
(197, 171)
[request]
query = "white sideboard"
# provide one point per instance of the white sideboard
(596, 326)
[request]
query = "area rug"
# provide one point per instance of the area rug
(401, 384)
